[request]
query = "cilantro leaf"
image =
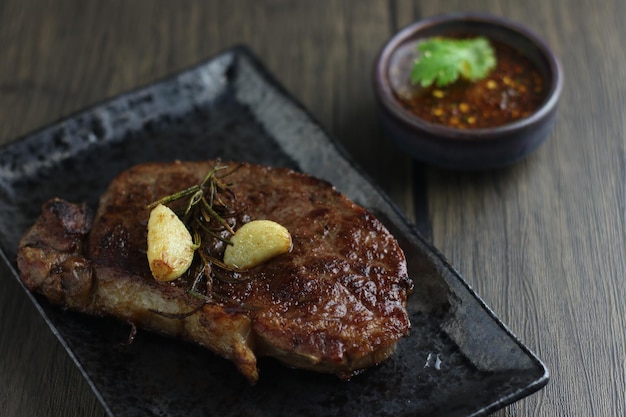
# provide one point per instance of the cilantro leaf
(443, 60)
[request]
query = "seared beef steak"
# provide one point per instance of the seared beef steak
(336, 303)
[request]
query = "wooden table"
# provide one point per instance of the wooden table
(543, 242)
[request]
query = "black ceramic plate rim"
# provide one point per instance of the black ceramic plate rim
(243, 52)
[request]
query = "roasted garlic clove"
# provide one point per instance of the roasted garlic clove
(257, 242)
(170, 245)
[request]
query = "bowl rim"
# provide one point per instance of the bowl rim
(385, 96)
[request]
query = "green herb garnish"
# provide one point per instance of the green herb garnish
(208, 205)
(205, 209)
(206, 202)
(444, 60)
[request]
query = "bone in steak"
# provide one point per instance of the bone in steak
(336, 303)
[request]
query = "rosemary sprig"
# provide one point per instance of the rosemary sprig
(205, 205)
(206, 211)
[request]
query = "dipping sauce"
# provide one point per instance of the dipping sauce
(512, 91)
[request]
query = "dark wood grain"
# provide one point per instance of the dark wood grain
(543, 241)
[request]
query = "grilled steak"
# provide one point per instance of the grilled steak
(336, 303)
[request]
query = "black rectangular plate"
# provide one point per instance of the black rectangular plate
(459, 359)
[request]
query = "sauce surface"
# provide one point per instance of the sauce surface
(512, 91)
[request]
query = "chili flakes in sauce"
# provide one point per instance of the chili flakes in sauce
(512, 91)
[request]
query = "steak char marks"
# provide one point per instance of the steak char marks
(336, 303)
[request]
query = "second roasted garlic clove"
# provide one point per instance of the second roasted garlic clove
(257, 242)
